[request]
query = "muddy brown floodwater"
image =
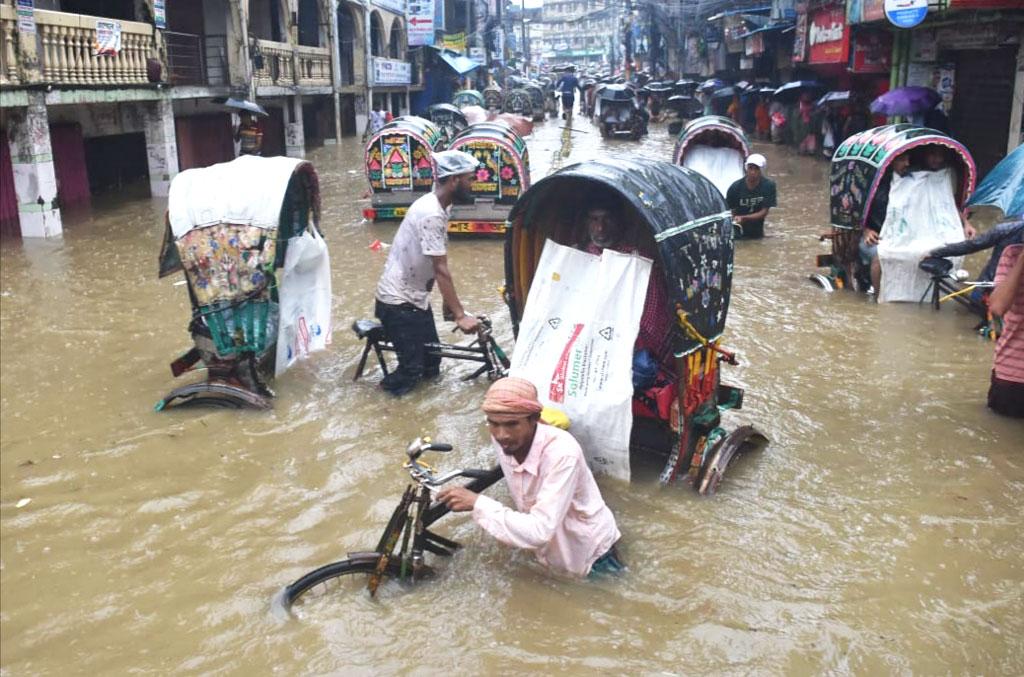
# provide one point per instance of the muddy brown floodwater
(878, 533)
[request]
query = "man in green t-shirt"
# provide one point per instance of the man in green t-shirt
(751, 197)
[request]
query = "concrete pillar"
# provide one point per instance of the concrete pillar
(294, 135)
(161, 146)
(35, 181)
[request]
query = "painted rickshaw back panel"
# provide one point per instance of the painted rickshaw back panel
(861, 161)
(503, 175)
(399, 164)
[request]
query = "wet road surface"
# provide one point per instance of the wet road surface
(878, 533)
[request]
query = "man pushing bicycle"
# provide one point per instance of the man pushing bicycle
(559, 512)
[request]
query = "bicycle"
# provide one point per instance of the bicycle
(410, 522)
(483, 349)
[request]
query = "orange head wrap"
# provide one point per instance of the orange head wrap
(512, 396)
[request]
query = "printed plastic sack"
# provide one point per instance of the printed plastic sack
(576, 345)
(305, 300)
(922, 215)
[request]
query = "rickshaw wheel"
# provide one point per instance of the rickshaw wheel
(822, 281)
(722, 456)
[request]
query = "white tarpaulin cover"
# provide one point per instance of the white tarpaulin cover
(305, 294)
(247, 191)
(576, 345)
(922, 215)
(723, 166)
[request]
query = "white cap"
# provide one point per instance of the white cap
(450, 162)
(757, 160)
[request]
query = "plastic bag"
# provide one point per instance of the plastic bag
(576, 345)
(305, 300)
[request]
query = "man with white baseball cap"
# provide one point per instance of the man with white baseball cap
(417, 259)
(751, 197)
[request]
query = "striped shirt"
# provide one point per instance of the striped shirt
(1009, 359)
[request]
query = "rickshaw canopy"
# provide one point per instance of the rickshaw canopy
(468, 97)
(691, 134)
(399, 155)
(504, 161)
(860, 162)
(679, 213)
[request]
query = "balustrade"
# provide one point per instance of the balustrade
(67, 44)
(278, 67)
(314, 66)
(8, 49)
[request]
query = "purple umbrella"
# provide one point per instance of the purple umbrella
(906, 101)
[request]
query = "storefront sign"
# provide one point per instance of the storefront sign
(26, 17)
(872, 52)
(478, 54)
(396, 6)
(108, 38)
(828, 36)
(391, 71)
(864, 11)
(160, 14)
(420, 15)
(800, 34)
(754, 45)
(985, 36)
(906, 13)
(923, 45)
(455, 42)
(733, 27)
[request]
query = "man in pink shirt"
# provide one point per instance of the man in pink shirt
(559, 514)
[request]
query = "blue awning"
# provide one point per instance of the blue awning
(460, 64)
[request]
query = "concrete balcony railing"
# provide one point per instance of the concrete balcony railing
(313, 66)
(8, 53)
(66, 44)
(284, 65)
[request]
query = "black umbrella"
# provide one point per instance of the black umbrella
(834, 99)
(724, 92)
(791, 91)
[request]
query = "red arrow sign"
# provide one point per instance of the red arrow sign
(414, 20)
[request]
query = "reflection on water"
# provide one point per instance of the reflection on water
(878, 533)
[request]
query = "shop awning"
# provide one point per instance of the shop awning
(460, 64)
(734, 12)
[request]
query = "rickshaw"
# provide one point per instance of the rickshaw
(504, 173)
(399, 165)
(617, 112)
(715, 147)
(657, 93)
(492, 97)
(682, 109)
(518, 101)
(858, 167)
(537, 105)
(468, 97)
(679, 219)
(246, 235)
(449, 119)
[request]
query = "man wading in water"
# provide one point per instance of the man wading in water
(418, 257)
(559, 513)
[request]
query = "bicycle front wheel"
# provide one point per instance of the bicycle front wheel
(347, 575)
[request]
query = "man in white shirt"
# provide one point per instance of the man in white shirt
(559, 513)
(417, 258)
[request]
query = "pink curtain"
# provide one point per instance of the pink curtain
(9, 225)
(69, 165)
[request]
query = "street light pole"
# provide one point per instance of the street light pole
(522, 34)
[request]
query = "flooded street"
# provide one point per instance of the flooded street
(879, 532)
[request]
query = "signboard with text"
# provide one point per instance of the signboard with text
(872, 52)
(906, 13)
(828, 36)
(391, 71)
(420, 16)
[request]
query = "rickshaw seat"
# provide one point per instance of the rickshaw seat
(368, 329)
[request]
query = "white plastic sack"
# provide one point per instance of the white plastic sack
(305, 300)
(723, 166)
(576, 345)
(922, 215)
